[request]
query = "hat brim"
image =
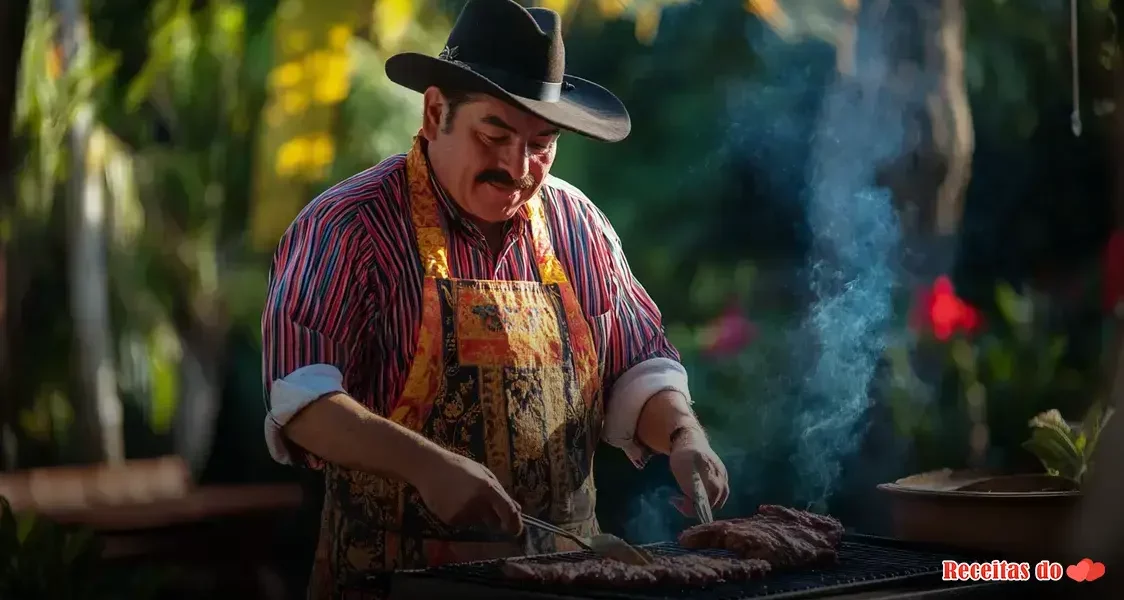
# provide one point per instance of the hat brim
(584, 107)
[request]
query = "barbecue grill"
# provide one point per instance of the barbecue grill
(865, 563)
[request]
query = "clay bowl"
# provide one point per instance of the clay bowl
(1020, 516)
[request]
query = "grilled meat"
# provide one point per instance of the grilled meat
(690, 570)
(784, 537)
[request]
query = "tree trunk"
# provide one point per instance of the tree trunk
(923, 45)
(97, 407)
(950, 116)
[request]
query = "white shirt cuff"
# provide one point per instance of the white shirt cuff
(289, 395)
(628, 396)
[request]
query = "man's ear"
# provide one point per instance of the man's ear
(433, 112)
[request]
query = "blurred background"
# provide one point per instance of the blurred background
(880, 233)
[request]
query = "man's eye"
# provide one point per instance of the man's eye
(539, 146)
(496, 139)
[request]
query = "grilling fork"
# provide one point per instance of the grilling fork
(602, 544)
(700, 498)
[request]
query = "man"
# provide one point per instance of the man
(450, 333)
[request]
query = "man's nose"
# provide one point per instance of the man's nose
(515, 160)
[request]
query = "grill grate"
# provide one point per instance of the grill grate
(864, 562)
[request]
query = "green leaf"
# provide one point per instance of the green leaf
(1015, 309)
(77, 544)
(1055, 452)
(1002, 363)
(1052, 441)
(24, 525)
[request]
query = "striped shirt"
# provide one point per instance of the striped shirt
(345, 291)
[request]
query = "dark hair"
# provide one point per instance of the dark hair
(455, 99)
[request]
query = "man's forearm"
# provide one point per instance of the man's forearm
(339, 430)
(663, 414)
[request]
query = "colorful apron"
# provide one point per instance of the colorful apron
(505, 373)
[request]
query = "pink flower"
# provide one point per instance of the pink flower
(729, 333)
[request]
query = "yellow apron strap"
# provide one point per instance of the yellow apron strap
(427, 221)
(550, 270)
(432, 244)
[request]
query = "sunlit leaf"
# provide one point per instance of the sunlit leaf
(292, 156)
(647, 24)
(295, 41)
(287, 75)
(612, 9)
(392, 18)
(558, 6)
(294, 102)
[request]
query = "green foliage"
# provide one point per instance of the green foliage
(185, 110)
(41, 559)
(378, 118)
(1018, 61)
(998, 378)
(1064, 450)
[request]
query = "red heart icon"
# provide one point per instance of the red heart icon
(1096, 570)
(1079, 571)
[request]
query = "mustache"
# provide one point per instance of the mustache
(501, 178)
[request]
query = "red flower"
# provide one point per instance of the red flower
(729, 333)
(1112, 274)
(941, 312)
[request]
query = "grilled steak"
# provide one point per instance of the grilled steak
(784, 537)
(690, 570)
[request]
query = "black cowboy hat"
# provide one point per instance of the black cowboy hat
(516, 54)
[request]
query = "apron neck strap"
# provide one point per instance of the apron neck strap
(432, 243)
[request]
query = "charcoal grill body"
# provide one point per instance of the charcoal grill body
(868, 568)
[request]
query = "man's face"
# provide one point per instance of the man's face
(490, 156)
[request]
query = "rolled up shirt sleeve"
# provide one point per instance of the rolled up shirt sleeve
(316, 313)
(639, 359)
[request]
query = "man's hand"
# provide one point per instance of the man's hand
(461, 491)
(690, 449)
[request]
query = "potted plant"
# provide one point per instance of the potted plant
(1066, 450)
(994, 380)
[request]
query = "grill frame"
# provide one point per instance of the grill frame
(866, 563)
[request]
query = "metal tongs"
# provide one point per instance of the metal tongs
(602, 544)
(699, 496)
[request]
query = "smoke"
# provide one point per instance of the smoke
(852, 265)
(653, 519)
(827, 151)
(852, 279)
(820, 138)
